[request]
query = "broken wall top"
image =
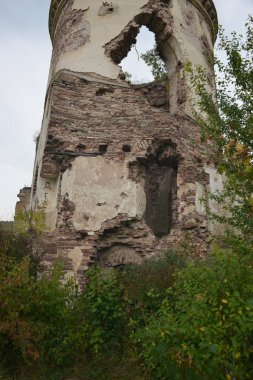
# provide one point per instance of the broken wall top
(207, 8)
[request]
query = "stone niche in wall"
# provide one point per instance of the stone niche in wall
(118, 255)
(160, 172)
(107, 8)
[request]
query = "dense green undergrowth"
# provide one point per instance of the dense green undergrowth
(169, 318)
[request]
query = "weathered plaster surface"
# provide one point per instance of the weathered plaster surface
(186, 40)
(207, 9)
(113, 157)
(46, 199)
(96, 204)
(24, 200)
(215, 185)
(76, 256)
(91, 57)
(101, 190)
(200, 200)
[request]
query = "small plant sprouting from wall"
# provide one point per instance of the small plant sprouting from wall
(153, 59)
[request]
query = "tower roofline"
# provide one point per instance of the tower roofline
(206, 7)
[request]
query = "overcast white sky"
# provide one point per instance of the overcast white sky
(24, 65)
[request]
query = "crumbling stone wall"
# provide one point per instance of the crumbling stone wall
(24, 200)
(77, 32)
(104, 201)
(94, 36)
(120, 169)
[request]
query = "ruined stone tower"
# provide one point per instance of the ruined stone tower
(120, 169)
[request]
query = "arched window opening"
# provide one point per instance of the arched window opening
(134, 66)
(135, 40)
(117, 256)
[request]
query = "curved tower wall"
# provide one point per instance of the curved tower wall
(120, 169)
(82, 31)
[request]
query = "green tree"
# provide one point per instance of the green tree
(200, 331)
(30, 223)
(153, 59)
(227, 119)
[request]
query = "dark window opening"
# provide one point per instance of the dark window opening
(35, 181)
(81, 147)
(160, 193)
(126, 148)
(103, 148)
(160, 171)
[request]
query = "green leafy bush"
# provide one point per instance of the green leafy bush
(48, 325)
(18, 334)
(181, 319)
(227, 120)
(34, 315)
(99, 314)
(146, 284)
(153, 59)
(204, 328)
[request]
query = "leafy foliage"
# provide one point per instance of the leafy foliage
(30, 223)
(159, 316)
(204, 328)
(153, 59)
(47, 324)
(100, 313)
(228, 121)
(33, 314)
(146, 285)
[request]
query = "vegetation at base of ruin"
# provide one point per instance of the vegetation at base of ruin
(30, 223)
(169, 318)
(203, 329)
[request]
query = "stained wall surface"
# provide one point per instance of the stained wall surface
(121, 169)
